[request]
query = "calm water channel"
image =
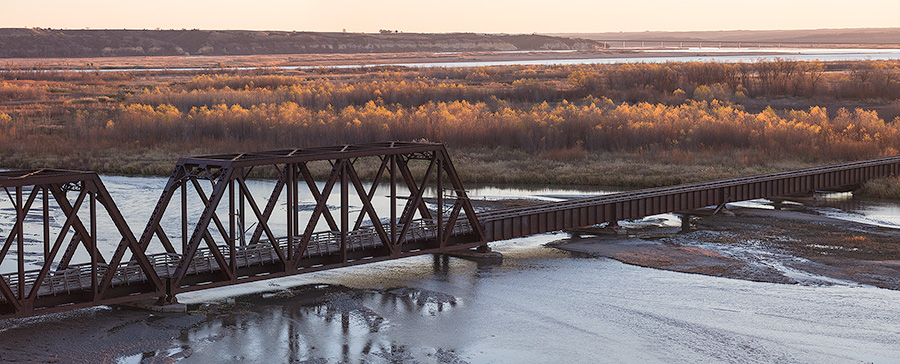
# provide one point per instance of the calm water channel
(726, 55)
(540, 305)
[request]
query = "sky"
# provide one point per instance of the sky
(483, 16)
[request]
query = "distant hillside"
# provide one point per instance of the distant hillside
(44, 43)
(811, 36)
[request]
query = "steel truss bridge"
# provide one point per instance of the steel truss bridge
(227, 234)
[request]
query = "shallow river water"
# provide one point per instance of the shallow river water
(540, 305)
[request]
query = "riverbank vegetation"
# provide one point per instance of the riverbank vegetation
(888, 188)
(630, 124)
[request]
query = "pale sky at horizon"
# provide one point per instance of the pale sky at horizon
(501, 16)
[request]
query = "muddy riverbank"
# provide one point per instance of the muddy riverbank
(797, 245)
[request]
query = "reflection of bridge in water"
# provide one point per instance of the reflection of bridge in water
(215, 249)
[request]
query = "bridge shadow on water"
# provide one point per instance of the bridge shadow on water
(387, 317)
(320, 323)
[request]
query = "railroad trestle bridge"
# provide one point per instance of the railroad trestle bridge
(211, 228)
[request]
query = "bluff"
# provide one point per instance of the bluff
(51, 43)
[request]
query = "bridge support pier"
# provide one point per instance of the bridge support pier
(150, 305)
(615, 228)
(685, 222)
(612, 228)
(482, 254)
(777, 203)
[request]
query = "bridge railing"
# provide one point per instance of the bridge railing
(516, 222)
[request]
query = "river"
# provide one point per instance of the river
(540, 305)
(725, 55)
(722, 55)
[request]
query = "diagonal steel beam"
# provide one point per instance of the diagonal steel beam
(70, 219)
(164, 239)
(200, 230)
(215, 217)
(371, 194)
(321, 206)
(451, 223)
(311, 182)
(403, 165)
(80, 230)
(408, 212)
(263, 217)
(225, 268)
(128, 242)
(10, 296)
(15, 300)
(368, 208)
(176, 179)
(18, 224)
(461, 195)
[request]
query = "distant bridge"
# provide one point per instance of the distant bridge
(227, 235)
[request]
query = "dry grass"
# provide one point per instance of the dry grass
(888, 188)
(515, 124)
(623, 169)
(475, 165)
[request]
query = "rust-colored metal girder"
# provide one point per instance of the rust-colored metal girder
(228, 234)
(518, 222)
(58, 284)
(219, 251)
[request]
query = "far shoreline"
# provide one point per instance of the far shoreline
(288, 61)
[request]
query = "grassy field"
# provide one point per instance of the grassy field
(615, 125)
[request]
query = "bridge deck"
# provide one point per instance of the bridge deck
(501, 224)
(77, 278)
(517, 222)
(417, 229)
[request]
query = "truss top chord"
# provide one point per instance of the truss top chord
(33, 177)
(312, 154)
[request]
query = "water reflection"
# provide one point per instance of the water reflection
(313, 322)
(540, 305)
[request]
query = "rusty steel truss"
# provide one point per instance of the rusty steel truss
(214, 226)
(39, 201)
(518, 222)
(221, 250)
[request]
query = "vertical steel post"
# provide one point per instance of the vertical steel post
(345, 209)
(242, 221)
(291, 208)
(45, 192)
(295, 200)
(232, 236)
(440, 201)
(393, 199)
(93, 245)
(20, 241)
(184, 217)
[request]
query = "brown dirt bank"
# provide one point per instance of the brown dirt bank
(793, 247)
